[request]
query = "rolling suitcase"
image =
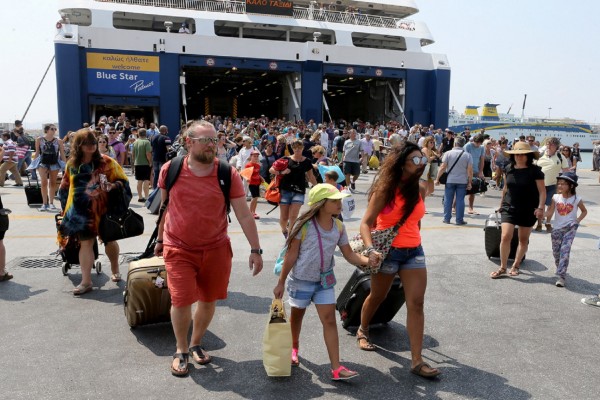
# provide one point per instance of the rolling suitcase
(350, 301)
(493, 235)
(146, 298)
(33, 193)
(153, 202)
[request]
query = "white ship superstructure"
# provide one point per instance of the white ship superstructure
(299, 60)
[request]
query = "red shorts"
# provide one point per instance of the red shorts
(197, 275)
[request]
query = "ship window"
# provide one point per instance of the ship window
(77, 16)
(148, 22)
(387, 42)
(272, 32)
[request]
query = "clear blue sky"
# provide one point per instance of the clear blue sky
(498, 51)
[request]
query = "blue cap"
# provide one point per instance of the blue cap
(569, 176)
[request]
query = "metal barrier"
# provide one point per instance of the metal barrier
(239, 7)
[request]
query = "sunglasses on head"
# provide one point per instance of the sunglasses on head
(205, 140)
(419, 160)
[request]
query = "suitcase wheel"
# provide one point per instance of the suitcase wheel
(65, 268)
(98, 267)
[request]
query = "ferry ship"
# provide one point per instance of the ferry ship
(511, 127)
(175, 60)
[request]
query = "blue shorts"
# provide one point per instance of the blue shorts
(403, 259)
(550, 191)
(289, 197)
(303, 292)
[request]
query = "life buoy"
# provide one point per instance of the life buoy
(58, 25)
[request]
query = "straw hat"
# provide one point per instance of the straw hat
(523, 148)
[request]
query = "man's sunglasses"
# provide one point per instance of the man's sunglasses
(205, 140)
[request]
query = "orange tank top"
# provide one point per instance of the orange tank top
(409, 234)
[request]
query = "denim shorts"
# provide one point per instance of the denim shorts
(303, 292)
(403, 259)
(53, 167)
(289, 197)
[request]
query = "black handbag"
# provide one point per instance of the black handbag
(120, 221)
(3, 222)
(120, 226)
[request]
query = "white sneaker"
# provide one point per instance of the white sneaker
(560, 282)
(592, 301)
(52, 207)
(44, 208)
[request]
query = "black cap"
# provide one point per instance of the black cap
(18, 122)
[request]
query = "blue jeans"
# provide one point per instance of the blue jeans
(459, 190)
(157, 166)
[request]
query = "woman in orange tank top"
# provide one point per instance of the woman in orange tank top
(396, 196)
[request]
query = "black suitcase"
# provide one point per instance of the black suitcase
(33, 193)
(493, 234)
(350, 301)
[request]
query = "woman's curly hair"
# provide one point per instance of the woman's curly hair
(389, 181)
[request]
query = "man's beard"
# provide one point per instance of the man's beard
(204, 157)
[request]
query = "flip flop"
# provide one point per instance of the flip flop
(82, 289)
(418, 370)
(472, 213)
(366, 347)
(183, 369)
(200, 353)
(6, 277)
(116, 277)
(514, 271)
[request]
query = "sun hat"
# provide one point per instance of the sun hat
(523, 148)
(255, 152)
(569, 176)
(324, 191)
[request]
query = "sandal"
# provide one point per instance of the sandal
(342, 374)
(366, 345)
(295, 360)
(182, 369)
(82, 289)
(498, 274)
(116, 277)
(203, 358)
(514, 271)
(6, 277)
(418, 370)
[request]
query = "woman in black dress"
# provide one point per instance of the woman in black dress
(522, 203)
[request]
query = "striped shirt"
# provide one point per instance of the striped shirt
(10, 151)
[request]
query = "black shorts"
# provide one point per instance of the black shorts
(519, 218)
(142, 172)
(254, 190)
(351, 168)
(2, 233)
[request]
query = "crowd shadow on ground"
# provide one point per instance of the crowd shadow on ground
(13, 291)
(310, 380)
(242, 302)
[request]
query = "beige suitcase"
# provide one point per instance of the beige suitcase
(146, 299)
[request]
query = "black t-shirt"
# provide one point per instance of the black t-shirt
(447, 144)
(295, 181)
(522, 196)
(160, 143)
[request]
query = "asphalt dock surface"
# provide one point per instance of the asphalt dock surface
(511, 338)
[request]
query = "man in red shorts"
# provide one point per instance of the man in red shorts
(193, 239)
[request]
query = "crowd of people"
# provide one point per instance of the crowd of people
(538, 186)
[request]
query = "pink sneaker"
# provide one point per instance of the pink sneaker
(295, 361)
(342, 374)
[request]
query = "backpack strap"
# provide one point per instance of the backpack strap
(224, 177)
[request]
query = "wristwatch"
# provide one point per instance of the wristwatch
(256, 251)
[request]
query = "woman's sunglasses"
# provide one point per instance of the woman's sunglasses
(419, 160)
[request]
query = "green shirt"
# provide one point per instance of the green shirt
(140, 148)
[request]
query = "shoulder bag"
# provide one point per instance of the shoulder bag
(382, 242)
(444, 177)
(120, 222)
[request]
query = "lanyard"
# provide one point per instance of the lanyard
(320, 244)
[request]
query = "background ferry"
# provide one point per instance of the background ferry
(511, 127)
(174, 60)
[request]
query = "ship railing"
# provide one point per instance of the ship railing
(239, 7)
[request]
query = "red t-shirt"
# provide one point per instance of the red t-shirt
(409, 235)
(196, 217)
(255, 178)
